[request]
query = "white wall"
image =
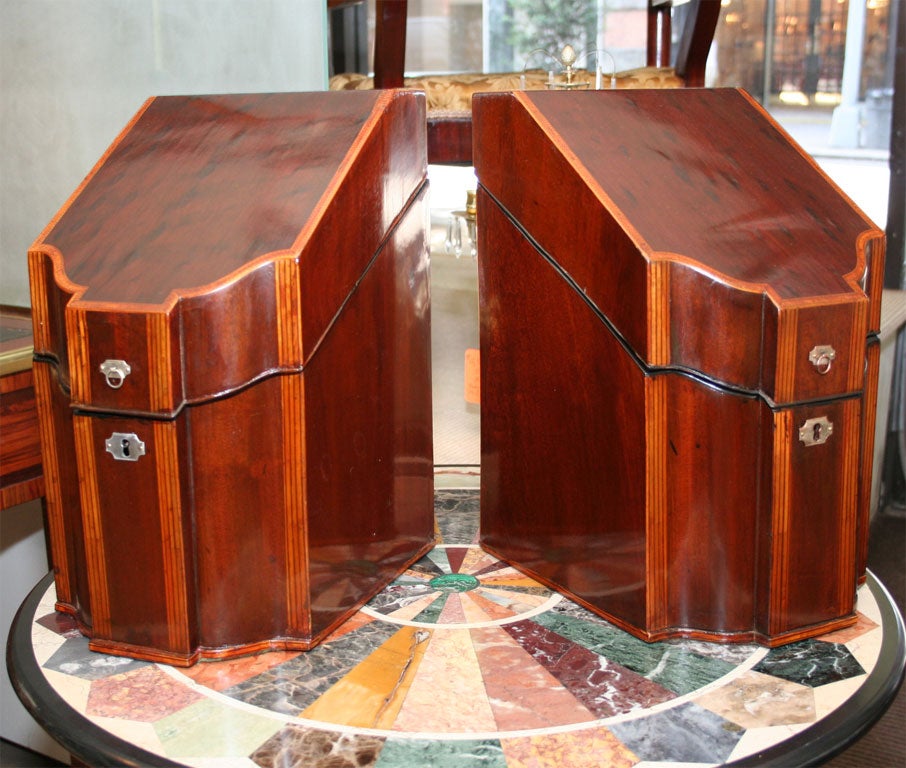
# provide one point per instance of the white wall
(73, 72)
(23, 562)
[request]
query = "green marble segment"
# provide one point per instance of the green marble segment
(408, 753)
(208, 729)
(454, 582)
(431, 614)
(671, 666)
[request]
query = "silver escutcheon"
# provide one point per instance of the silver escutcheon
(822, 357)
(115, 371)
(125, 447)
(816, 431)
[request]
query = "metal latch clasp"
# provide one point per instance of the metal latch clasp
(822, 357)
(115, 371)
(125, 447)
(816, 431)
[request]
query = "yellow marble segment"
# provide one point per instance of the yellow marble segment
(576, 749)
(371, 694)
(523, 694)
(508, 577)
(449, 665)
(755, 700)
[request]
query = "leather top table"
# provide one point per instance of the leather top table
(461, 661)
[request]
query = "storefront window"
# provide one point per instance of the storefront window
(801, 62)
(786, 51)
(504, 35)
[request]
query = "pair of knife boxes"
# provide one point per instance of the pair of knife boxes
(232, 365)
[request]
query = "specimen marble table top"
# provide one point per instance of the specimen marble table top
(463, 661)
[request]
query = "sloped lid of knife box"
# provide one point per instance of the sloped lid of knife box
(224, 226)
(708, 239)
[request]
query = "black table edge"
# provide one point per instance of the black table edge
(812, 746)
(73, 731)
(850, 721)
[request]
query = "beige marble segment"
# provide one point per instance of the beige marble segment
(866, 648)
(220, 675)
(591, 748)
(45, 642)
(453, 612)
(755, 700)
(758, 739)
(147, 694)
(523, 694)
(73, 690)
(371, 693)
(493, 611)
(48, 602)
(220, 762)
(141, 735)
(449, 665)
(475, 560)
(209, 728)
(831, 696)
(413, 609)
(867, 605)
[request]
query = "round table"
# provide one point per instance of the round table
(463, 661)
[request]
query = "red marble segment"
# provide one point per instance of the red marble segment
(522, 693)
(145, 695)
(607, 689)
(61, 623)
(493, 610)
(355, 621)
(220, 675)
(575, 749)
(497, 565)
(863, 624)
(455, 556)
(452, 612)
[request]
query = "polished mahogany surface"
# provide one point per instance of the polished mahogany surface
(230, 175)
(648, 405)
(260, 262)
(186, 220)
(709, 218)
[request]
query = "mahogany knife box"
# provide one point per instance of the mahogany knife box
(232, 344)
(679, 362)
